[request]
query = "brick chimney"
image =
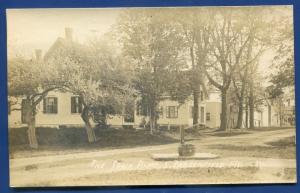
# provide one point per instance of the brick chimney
(38, 54)
(69, 34)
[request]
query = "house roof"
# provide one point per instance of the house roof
(60, 46)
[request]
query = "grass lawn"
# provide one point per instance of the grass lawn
(281, 152)
(65, 141)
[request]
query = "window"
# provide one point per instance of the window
(76, 104)
(207, 116)
(172, 112)
(202, 114)
(50, 105)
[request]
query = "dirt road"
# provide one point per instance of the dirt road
(246, 158)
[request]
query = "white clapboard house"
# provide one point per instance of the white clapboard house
(64, 109)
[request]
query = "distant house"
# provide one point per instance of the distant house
(283, 110)
(267, 115)
(213, 109)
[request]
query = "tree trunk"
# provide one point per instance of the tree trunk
(89, 129)
(269, 115)
(240, 114)
(224, 110)
(196, 88)
(195, 111)
(151, 121)
(280, 113)
(241, 107)
(153, 118)
(251, 106)
(251, 83)
(241, 97)
(30, 120)
(247, 114)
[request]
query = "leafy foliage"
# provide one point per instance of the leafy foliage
(152, 44)
(96, 75)
(283, 61)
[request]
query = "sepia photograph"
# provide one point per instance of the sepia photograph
(151, 96)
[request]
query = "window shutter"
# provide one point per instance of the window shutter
(44, 105)
(23, 111)
(176, 112)
(80, 105)
(55, 105)
(73, 105)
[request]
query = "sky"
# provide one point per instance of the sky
(30, 29)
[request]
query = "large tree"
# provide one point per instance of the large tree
(264, 36)
(152, 44)
(31, 80)
(283, 61)
(282, 79)
(97, 75)
(195, 29)
(228, 39)
(247, 70)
